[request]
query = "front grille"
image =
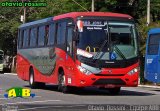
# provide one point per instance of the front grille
(109, 74)
(109, 81)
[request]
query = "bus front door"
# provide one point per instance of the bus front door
(152, 68)
(158, 65)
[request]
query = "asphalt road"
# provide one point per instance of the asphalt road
(48, 98)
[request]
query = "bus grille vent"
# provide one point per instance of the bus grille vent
(109, 81)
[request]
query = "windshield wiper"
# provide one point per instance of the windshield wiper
(119, 52)
(96, 56)
(103, 44)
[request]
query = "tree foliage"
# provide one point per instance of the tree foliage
(10, 16)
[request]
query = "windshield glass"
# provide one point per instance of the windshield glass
(153, 45)
(118, 39)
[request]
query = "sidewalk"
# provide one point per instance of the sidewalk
(11, 73)
(149, 86)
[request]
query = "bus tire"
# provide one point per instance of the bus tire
(114, 91)
(32, 82)
(61, 83)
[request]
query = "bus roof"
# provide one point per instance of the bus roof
(76, 14)
(37, 22)
(154, 31)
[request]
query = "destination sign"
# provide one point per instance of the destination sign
(94, 23)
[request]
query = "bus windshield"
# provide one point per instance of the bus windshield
(153, 44)
(117, 37)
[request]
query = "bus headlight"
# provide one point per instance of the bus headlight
(135, 70)
(84, 70)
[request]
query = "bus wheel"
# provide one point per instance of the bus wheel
(114, 91)
(32, 82)
(61, 83)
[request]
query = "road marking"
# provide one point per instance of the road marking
(11, 98)
(49, 107)
(2, 90)
(4, 98)
(10, 74)
(80, 105)
(38, 108)
(143, 91)
(30, 102)
(148, 86)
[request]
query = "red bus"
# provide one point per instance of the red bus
(80, 49)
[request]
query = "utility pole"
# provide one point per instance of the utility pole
(24, 14)
(92, 5)
(23, 17)
(148, 12)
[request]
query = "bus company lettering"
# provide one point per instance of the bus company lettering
(149, 61)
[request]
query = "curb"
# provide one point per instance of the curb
(10, 73)
(149, 86)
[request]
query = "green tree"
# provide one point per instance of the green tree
(55, 7)
(9, 21)
(10, 16)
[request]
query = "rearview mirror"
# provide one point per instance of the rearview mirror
(80, 25)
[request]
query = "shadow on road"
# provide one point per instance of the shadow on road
(92, 91)
(158, 90)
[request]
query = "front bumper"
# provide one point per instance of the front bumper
(109, 81)
(108, 77)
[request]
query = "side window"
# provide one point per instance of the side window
(29, 37)
(26, 38)
(46, 34)
(51, 38)
(33, 37)
(69, 40)
(41, 36)
(153, 45)
(61, 33)
(20, 38)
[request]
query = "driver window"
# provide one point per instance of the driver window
(69, 40)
